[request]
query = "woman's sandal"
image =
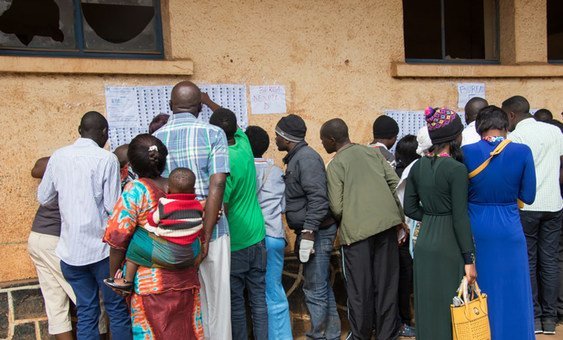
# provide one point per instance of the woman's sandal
(126, 287)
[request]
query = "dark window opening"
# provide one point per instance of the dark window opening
(555, 30)
(451, 31)
(87, 28)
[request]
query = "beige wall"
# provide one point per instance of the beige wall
(334, 57)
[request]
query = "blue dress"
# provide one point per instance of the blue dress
(500, 245)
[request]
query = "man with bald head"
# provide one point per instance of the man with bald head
(84, 179)
(202, 148)
(472, 108)
(361, 191)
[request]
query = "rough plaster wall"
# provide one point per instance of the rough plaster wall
(333, 57)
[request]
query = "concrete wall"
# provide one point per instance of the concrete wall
(334, 57)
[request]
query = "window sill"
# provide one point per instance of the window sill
(404, 70)
(94, 66)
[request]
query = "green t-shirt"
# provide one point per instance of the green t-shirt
(246, 223)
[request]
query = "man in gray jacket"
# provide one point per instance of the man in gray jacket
(307, 213)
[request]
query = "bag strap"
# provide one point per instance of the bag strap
(493, 153)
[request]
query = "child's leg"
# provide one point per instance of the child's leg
(130, 271)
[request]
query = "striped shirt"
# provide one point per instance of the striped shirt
(86, 179)
(546, 142)
(200, 147)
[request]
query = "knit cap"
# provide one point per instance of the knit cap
(385, 127)
(292, 128)
(444, 125)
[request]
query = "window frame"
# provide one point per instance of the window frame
(443, 43)
(80, 51)
(549, 61)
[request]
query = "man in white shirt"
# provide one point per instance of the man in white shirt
(542, 219)
(472, 108)
(86, 180)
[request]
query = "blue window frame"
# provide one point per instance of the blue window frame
(130, 29)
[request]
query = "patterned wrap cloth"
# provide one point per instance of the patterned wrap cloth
(165, 303)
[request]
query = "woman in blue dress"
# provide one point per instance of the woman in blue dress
(501, 253)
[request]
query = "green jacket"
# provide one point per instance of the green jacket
(361, 190)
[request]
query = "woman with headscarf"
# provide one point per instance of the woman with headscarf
(502, 258)
(436, 194)
(164, 303)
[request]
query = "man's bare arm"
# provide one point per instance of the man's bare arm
(39, 168)
(212, 207)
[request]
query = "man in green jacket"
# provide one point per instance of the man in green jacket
(361, 190)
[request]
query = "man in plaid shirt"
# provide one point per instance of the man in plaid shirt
(203, 148)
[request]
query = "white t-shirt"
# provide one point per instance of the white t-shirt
(470, 135)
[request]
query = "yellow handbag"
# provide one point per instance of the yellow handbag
(470, 319)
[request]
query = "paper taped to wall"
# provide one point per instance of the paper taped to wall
(267, 99)
(467, 91)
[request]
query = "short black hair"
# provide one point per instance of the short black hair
(181, 181)
(93, 120)
(516, 104)
(259, 140)
(543, 115)
(472, 108)
(491, 118)
(158, 121)
(226, 120)
(405, 151)
(335, 128)
(147, 156)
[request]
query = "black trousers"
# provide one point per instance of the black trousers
(406, 284)
(371, 272)
(542, 231)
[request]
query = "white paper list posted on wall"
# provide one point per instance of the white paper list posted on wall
(130, 109)
(411, 121)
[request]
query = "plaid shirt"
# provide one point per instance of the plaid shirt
(198, 146)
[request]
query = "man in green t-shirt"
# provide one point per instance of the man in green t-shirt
(247, 229)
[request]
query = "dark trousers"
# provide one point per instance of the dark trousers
(248, 270)
(560, 298)
(87, 281)
(542, 230)
(371, 272)
(405, 284)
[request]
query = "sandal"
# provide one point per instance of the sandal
(125, 287)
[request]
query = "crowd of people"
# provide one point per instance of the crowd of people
(182, 230)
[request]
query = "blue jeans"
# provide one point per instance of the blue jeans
(87, 281)
(279, 325)
(319, 297)
(248, 269)
(542, 230)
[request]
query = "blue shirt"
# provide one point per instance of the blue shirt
(200, 147)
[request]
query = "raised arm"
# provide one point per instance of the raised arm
(208, 102)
